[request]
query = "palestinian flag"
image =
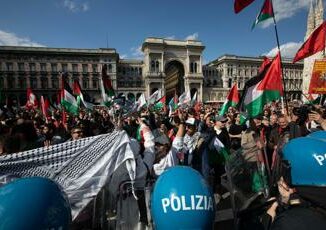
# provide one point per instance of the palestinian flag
(184, 99)
(263, 88)
(266, 62)
(107, 90)
(157, 95)
(232, 100)
(312, 100)
(141, 102)
(218, 155)
(173, 103)
(140, 135)
(160, 103)
(80, 98)
(243, 119)
(68, 101)
(265, 13)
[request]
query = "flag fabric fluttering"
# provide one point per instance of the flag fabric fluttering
(173, 103)
(106, 87)
(184, 99)
(243, 119)
(263, 88)
(68, 101)
(58, 101)
(155, 97)
(45, 105)
(81, 168)
(219, 146)
(232, 100)
(239, 5)
(314, 44)
(266, 62)
(31, 102)
(141, 102)
(159, 105)
(265, 13)
(194, 99)
(80, 97)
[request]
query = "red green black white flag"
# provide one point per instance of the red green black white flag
(266, 12)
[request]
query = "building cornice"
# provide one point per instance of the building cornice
(48, 50)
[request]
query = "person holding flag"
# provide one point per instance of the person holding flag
(263, 88)
(68, 101)
(232, 99)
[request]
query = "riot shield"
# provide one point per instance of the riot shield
(246, 181)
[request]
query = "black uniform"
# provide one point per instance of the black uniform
(300, 216)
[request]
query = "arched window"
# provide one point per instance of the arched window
(191, 67)
(195, 67)
(230, 83)
(152, 66)
(214, 82)
(44, 83)
(95, 86)
(157, 66)
(131, 97)
(55, 83)
(33, 83)
(110, 68)
(85, 83)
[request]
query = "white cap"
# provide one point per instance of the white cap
(190, 121)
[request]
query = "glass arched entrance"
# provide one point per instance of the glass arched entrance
(174, 79)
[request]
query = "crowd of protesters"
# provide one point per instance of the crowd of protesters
(192, 136)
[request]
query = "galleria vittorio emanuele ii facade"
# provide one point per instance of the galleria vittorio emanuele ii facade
(172, 65)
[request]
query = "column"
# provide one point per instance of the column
(200, 96)
(162, 62)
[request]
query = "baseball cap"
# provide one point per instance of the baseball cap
(190, 121)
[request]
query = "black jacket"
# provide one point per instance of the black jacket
(300, 216)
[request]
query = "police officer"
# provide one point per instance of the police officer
(302, 202)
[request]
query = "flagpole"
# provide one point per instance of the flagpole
(279, 50)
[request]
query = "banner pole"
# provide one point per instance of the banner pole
(279, 50)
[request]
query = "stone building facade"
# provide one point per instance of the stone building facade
(40, 69)
(172, 65)
(222, 73)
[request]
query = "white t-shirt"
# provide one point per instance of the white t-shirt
(171, 158)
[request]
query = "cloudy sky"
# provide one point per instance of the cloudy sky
(124, 25)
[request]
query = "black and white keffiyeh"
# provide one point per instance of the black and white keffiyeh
(80, 167)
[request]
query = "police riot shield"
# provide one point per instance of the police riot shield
(245, 180)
